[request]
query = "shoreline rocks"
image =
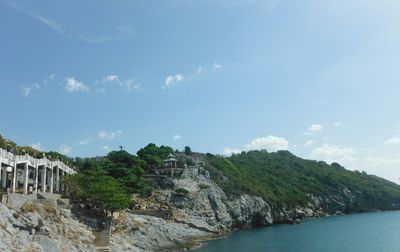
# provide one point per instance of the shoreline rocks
(37, 228)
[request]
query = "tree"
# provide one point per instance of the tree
(100, 191)
(126, 168)
(153, 155)
(188, 150)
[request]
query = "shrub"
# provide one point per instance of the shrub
(181, 191)
(204, 186)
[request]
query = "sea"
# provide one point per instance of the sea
(365, 232)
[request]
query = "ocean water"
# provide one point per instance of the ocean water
(364, 232)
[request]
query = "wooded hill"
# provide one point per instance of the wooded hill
(285, 179)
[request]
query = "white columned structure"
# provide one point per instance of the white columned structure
(14, 177)
(36, 177)
(26, 177)
(57, 179)
(44, 178)
(51, 179)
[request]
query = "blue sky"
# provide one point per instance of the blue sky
(319, 78)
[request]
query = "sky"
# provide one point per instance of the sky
(317, 78)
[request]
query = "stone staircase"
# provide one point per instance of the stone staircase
(102, 240)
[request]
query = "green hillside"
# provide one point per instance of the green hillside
(286, 180)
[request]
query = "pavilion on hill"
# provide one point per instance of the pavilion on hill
(171, 162)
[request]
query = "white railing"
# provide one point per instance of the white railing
(10, 159)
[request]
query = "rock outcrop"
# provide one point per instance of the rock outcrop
(141, 233)
(181, 212)
(37, 227)
(206, 211)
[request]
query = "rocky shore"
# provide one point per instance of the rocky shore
(205, 212)
(38, 227)
(196, 207)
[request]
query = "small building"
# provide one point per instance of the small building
(171, 162)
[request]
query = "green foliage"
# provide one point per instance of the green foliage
(126, 168)
(7, 144)
(53, 155)
(286, 179)
(100, 191)
(154, 155)
(181, 191)
(204, 186)
(188, 150)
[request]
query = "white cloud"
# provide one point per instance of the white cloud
(200, 70)
(382, 162)
(104, 134)
(337, 124)
(333, 153)
(229, 151)
(393, 141)
(177, 137)
(131, 85)
(309, 143)
(110, 78)
(217, 65)
(314, 128)
(387, 167)
(50, 23)
(171, 80)
(65, 149)
(269, 143)
(45, 20)
(94, 38)
(84, 141)
(37, 146)
(74, 85)
(26, 90)
(106, 148)
(115, 81)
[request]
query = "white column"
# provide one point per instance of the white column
(44, 178)
(26, 176)
(62, 181)
(36, 177)
(51, 180)
(1, 173)
(14, 178)
(4, 177)
(64, 184)
(57, 178)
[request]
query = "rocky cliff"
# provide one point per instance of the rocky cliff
(197, 208)
(37, 227)
(205, 211)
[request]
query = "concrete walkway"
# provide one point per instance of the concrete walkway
(102, 241)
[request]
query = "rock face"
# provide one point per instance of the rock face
(133, 232)
(248, 211)
(39, 228)
(196, 207)
(205, 211)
